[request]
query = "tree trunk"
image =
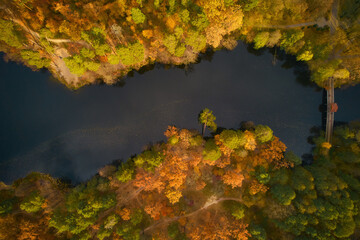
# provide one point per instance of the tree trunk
(203, 130)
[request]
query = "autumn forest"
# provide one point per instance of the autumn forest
(83, 41)
(213, 183)
(238, 184)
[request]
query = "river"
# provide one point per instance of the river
(71, 134)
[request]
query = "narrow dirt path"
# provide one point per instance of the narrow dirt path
(333, 21)
(288, 26)
(206, 205)
(321, 22)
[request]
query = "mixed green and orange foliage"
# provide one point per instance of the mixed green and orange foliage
(81, 41)
(238, 184)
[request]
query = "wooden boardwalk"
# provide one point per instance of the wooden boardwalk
(330, 114)
(334, 24)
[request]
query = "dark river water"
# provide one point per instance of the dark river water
(46, 127)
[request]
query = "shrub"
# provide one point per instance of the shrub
(284, 194)
(96, 37)
(6, 206)
(196, 140)
(230, 139)
(211, 151)
(111, 221)
(173, 46)
(257, 232)
(92, 66)
(131, 54)
(85, 235)
(290, 37)
(305, 56)
(172, 5)
(137, 16)
(200, 22)
(103, 233)
(180, 50)
(10, 35)
(125, 173)
(345, 228)
(33, 203)
(178, 32)
(174, 232)
(173, 140)
(102, 49)
(75, 65)
(170, 43)
(196, 40)
(261, 175)
(263, 133)
(156, 4)
(341, 73)
(78, 64)
(236, 209)
(185, 16)
(114, 59)
(291, 157)
(250, 4)
(149, 159)
(136, 217)
(261, 39)
(87, 53)
(322, 74)
(34, 58)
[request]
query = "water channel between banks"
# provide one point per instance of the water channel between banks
(46, 127)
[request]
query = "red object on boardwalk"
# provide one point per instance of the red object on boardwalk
(334, 107)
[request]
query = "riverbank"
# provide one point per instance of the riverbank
(174, 33)
(183, 186)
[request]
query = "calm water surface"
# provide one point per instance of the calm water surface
(46, 127)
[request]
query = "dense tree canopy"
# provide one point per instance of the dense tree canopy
(238, 184)
(135, 33)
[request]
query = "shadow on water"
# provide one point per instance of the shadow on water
(188, 68)
(301, 69)
(257, 52)
(319, 131)
(117, 162)
(316, 131)
(322, 109)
